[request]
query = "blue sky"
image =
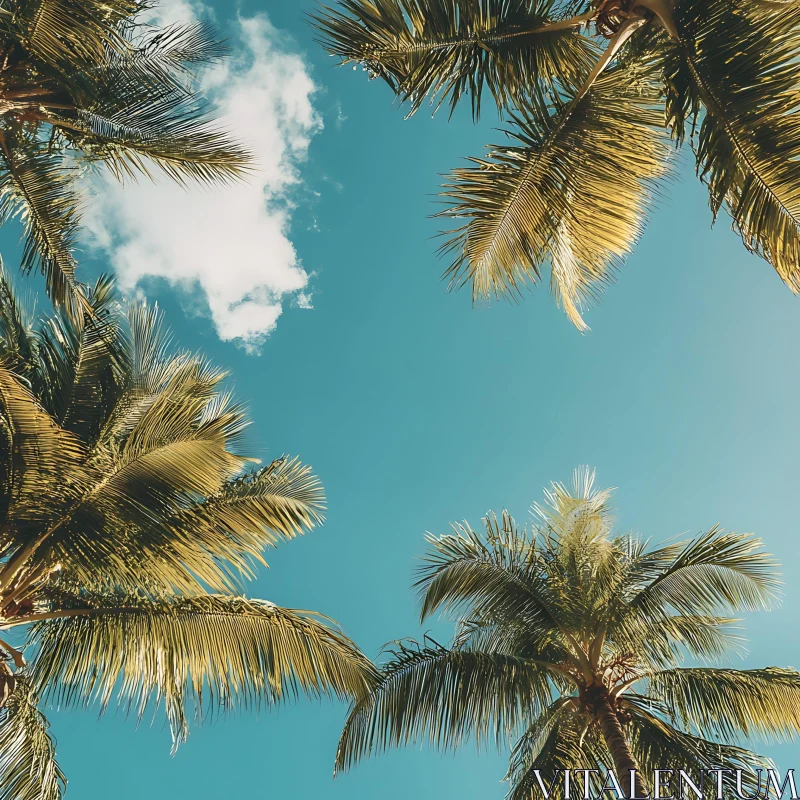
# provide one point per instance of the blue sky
(416, 410)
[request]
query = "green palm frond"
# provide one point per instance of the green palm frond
(445, 696)
(462, 572)
(572, 191)
(727, 703)
(446, 49)
(717, 569)
(656, 742)
(551, 744)
(36, 186)
(736, 67)
(28, 767)
(209, 653)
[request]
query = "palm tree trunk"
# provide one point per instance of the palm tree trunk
(624, 762)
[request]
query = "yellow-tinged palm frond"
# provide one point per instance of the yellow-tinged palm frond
(43, 461)
(728, 703)
(445, 696)
(28, 767)
(736, 67)
(93, 81)
(63, 31)
(37, 187)
(572, 191)
(444, 49)
(210, 653)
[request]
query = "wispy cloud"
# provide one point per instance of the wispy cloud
(229, 244)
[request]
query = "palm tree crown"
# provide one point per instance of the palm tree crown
(128, 520)
(595, 90)
(89, 81)
(570, 640)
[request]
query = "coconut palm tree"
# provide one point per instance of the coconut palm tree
(86, 82)
(129, 519)
(594, 90)
(570, 639)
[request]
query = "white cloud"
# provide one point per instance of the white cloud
(229, 243)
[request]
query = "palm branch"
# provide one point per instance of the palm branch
(130, 519)
(569, 645)
(91, 82)
(593, 90)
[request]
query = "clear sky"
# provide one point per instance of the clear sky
(416, 410)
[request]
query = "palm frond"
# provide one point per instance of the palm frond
(565, 741)
(493, 578)
(80, 363)
(446, 49)
(445, 696)
(43, 460)
(249, 514)
(737, 65)
(17, 340)
(572, 190)
(209, 653)
(59, 31)
(656, 742)
(37, 187)
(726, 703)
(715, 570)
(28, 767)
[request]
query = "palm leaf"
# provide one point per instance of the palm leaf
(445, 49)
(737, 64)
(36, 187)
(493, 578)
(656, 743)
(729, 702)
(43, 460)
(715, 570)
(59, 31)
(209, 653)
(572, 190)
(442, 695)
(80, 364)
(28, 767)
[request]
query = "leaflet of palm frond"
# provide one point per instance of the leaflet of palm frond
(204, 654)
(733, 74)
(28, 766)
(445, 50)
(573, 190)
(60, 31)
(37, 187)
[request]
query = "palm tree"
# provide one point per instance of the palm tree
(86, 82)
(595, 89)
(129, 518)
(570, 638)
